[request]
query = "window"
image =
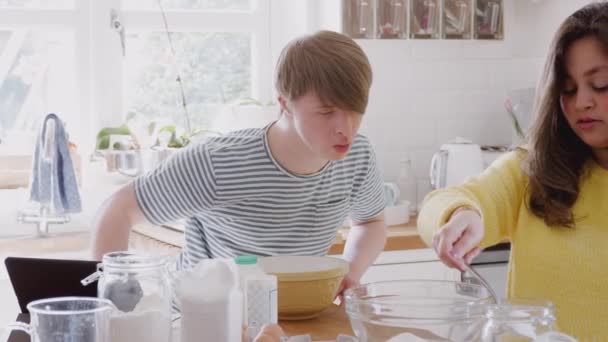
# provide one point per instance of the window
(63, 56)
(218, 49)
(37, 4)
(38, 56)
(221, 5)
(215, 68)
(37, 73)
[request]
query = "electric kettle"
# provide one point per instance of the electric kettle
(455, 162)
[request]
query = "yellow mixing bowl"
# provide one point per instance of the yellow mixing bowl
(307, 285)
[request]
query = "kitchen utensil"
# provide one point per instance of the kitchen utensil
(365, 12)
(455, 162)
(522, 320)
(125, 277)
(481, 279)
(434, 310)
(397, 214)
(67, 319)
(456, 13)
(307, 285)
(391, 193)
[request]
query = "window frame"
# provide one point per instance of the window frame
(69, 19)
(256, 22)
(98, 52)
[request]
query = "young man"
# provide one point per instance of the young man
(283, 189)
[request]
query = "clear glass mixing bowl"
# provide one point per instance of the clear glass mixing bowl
(417, 310)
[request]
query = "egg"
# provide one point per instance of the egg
(270, 333)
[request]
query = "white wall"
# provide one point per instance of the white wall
(426, 92)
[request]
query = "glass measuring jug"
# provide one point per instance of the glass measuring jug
(68, 319)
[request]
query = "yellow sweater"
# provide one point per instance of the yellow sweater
(566, 266)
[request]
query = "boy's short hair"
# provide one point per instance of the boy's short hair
(328, 63)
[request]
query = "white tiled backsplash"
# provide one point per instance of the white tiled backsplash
(426, 92)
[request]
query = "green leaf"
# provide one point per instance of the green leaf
(249, 101)
(103, 136)
(168, 128)
(103, 142)
(516, 125)
(122, 130)
(175, 144)
(131, 115)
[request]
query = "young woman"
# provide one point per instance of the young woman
(550, 198)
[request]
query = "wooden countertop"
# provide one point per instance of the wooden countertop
(331, 323)
(400, 237)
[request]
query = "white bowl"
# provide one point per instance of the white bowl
(398, 214)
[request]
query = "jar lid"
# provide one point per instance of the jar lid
(246, 260)
(126, 259)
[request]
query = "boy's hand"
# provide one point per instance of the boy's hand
(346, 283)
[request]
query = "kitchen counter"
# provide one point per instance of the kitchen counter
(171, 239)
(399, 237)
(331, 323)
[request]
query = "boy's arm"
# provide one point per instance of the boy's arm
(364, 243)
(180, 187)
(368, 230)
(114, 220)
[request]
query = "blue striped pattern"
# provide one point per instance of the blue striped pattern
(238, 200)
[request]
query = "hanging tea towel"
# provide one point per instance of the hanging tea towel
(53, 177)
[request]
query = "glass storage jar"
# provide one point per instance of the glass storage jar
(140, 288)
(522, 320)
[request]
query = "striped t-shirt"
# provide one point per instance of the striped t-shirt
(238, 200)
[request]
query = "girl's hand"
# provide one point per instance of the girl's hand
(457, 241)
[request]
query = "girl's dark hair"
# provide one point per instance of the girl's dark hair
(557, 156)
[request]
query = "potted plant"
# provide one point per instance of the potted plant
(519, 106)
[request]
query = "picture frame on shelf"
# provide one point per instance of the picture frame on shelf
(456, 19)
(391, 19)
(488, 19)
(358, 18)
(424, 19)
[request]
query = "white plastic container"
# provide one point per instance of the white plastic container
(398, 214)
(406, 181)
(259, 293)
(211, 302)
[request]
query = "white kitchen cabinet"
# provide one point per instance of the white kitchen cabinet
(407, 271)
(496, 275)
(409, 264)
